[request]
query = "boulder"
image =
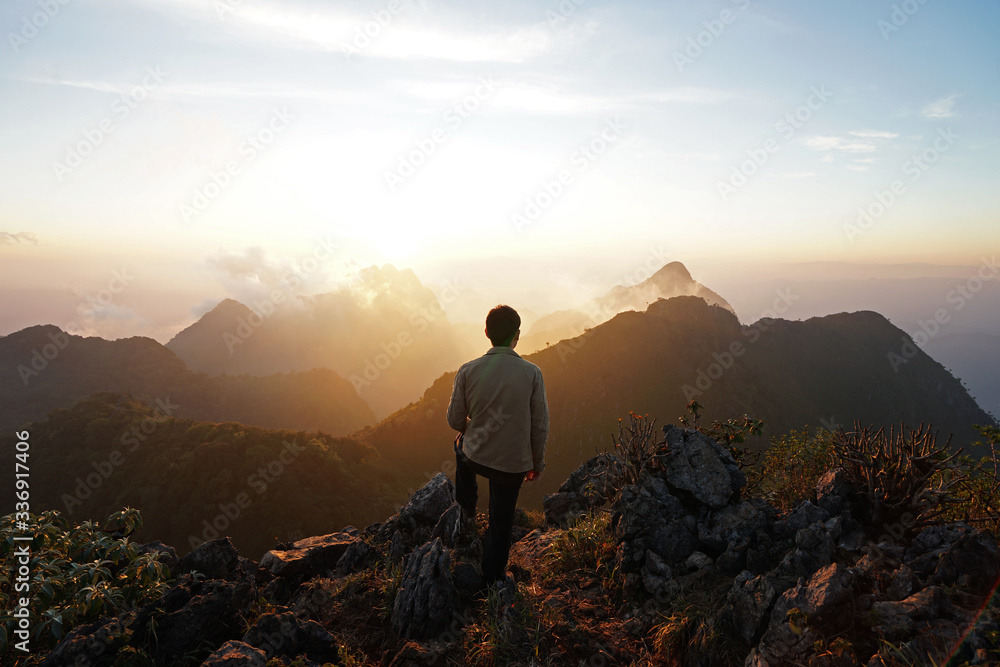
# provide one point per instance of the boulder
(357, 556)
(216, 559)
(826, 600)
(236, 654)
(429, 502)
(700, 466)
(308, 557)
(425, 600)
(87, 644)
(283, 634)
(449, 526)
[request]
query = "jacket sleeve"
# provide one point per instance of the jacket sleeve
(539, 422)
(458, 411)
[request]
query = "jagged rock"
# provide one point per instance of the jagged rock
(308, 557)
(430, 501)
(972, 562)
(191, 615)
(933, 541)
(86, 644)
(283, 634)
(217, 559)
(749, 600)
(806, 514)
(733, 523)
(356, 557)
(896, 619)
(425, 600)
(833, 492)
(698, 560)
(903, 584)
(236, 654)
(646, 516)
(695, 463)
(591, 480)
(825, 600)
(449, 526)
(588, 486)
(396, 547)
(563, 507)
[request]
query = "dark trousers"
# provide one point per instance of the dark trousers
(504, 487)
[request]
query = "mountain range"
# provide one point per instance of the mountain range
(45, 368)
(822, 372)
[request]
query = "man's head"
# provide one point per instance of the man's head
(503, 326)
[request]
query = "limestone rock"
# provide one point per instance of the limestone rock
(282, 633)
(425, 601)
(216, 559)
(697, 464)
(309, 556)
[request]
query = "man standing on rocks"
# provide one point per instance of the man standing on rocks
(498, 407)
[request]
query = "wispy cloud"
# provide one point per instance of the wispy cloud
(840, 144)
(942, 108)
(6, 238)
(403, 34)
(856, 141)
(873, 134)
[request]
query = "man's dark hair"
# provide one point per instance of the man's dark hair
(501, 324)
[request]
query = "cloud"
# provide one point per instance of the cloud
(252, 275)
(840, 144)
(857, 167)
(402, 34)
(873, 134)
(942, 108)
(6, 238)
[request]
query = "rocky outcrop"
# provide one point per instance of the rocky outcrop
(696, 464)
(191, 615)
(424, 603)
(309, 557)
(282, 634)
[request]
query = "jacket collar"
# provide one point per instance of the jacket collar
(502, 349)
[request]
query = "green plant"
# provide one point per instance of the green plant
(982, 486)
(588, 546)
(506, 633)
(791, 466)
(79, 573)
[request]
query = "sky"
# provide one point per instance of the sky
(538, 147)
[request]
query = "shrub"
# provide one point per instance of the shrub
(791, 466)
(78, 573)
(907, 478)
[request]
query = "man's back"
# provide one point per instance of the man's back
(499, 403)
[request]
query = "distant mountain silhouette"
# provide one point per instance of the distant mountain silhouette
(193, 480)
(790, 374)
(387, 334)
(45, 368)
(671, 280)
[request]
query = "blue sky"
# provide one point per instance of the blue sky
(456, 132)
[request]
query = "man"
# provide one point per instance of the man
(498, 406)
